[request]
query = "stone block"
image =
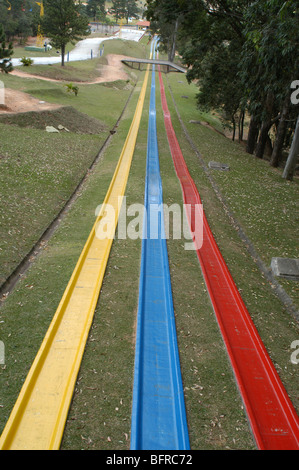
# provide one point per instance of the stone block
(286, 267)
(218, 166)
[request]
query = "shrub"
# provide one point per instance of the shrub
(26, 61)
(72, 88)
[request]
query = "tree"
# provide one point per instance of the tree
(244, 56)
(17, 18)
(96, 8)
(132, 9)
(165, 17)
(219, 85)
(125, 9)
(5, 53)
(292, 160)
(269, 62)
(63, 23)
(119, 9)
(210, 42)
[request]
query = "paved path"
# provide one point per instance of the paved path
(83, 49)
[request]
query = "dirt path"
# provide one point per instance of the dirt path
(19, 102)
(108, 73)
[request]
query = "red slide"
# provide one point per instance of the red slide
(273, 419)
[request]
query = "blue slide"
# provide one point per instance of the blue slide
(158, 412)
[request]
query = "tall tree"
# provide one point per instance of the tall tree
(5, 53)
(210, 42)
(165, 17)
(63, 23)
(132, 9)
(244, 55)
(96, 9)
(269, 62)
(119, 9)
(293, 157)
(17, 18)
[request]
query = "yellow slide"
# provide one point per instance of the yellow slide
(38, 418)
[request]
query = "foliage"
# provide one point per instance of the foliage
(64, 23)
(96, 9)
(5, 53)
(72, 88)
(219, 84)
(165, 19)
(244, 55)
(27, 61)
(125, 9)
(19, 19)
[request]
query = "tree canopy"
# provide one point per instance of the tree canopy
(125, 9)
(63, 23)
(96, 9)
(244, 55)
(5, 53)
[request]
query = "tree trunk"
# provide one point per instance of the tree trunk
(252, 136)
(266, 125)
(62, 55)
(281, 133)
(234, 127)
(293, 155)
(269, 147)
(173, 46)
(241, 124)
(261, 145)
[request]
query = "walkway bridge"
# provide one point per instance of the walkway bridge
(166, 65)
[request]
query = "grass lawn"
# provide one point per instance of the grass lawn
(19, 52)
(265, 204)
(100, 414)
(32, 172)
(86, 70)
(35, 184)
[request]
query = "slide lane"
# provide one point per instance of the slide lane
(38, 418)
(158, 410)
(273, 419)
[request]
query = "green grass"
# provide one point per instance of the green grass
(71, 72)
(100, 414)
(97, 101)
(87, 70)
(42, 179)
(265, 204)
(66, 116)
(275, 324)
(48, 277)
(19, 52)
(35, 184)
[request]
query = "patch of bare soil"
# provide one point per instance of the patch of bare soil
(108, 73)
(113, 70)
(19, 102)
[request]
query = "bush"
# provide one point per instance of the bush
(26, 61)
(72, 88)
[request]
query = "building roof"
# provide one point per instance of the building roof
(143, 23)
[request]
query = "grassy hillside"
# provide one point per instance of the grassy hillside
(38, 173)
